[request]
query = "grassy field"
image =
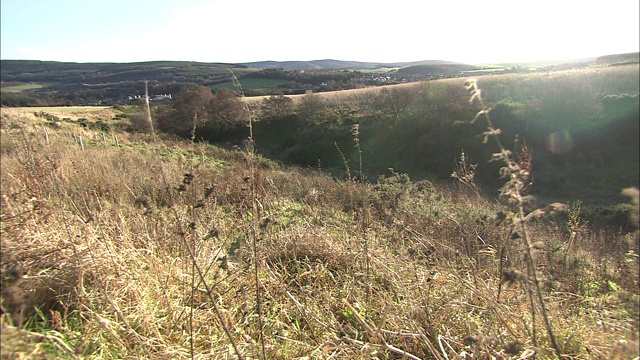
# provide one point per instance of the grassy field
(168, 249)
(624, 77)
(348, 95)
(607, 78)
(61, 112)
(254, 84)
(19, 88)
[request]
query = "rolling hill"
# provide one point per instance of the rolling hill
(330, 64)
(50, 83)
(42, 83)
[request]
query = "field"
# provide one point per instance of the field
(61, 111)
(257, 85)
(19, 88)
(62, 116)
(141, 247)
(351, 94)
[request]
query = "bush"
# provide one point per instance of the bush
(139, 123)
(46, 116)
(100, 125)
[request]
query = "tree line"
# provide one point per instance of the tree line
(421, 129)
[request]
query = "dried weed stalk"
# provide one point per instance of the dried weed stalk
(365, 210)
(525, 160)
(465, 172)
(513, 193)
(256, 206)
(191, 246)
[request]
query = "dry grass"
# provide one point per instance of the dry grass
(602, 78)
(103, 240)
(341, 95)
(72, 112)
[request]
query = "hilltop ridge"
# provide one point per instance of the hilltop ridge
(52, 83)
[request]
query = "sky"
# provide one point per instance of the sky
(238, 31)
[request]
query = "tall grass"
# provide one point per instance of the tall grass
(253, 180)
(123, 261)
(513, 192)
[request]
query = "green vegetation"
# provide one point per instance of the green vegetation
(436, 70)
(618, 59)
(573, 122)
(135, 248)
(104, 83)
(264, 86)
(114, 83)
(19, 88)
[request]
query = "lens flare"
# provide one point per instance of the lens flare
(560, 142)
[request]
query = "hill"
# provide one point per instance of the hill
(135, 247)
(436, 70)
(330, 64)
(619, 58)
(50, 83)
(67, 83)
(42, 83)
(55, 73)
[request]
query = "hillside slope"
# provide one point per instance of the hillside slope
(141, 248)
(41, 83)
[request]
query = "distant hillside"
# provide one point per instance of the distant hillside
(330, 64)
(309, 65)
(436, 70)
(550, 63)
(56, 73)
(619, 58)
(49, 83)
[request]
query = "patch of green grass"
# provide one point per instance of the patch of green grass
(483, 71)
(173, 153)
(254, 84)
(19, 88)
(377, 70)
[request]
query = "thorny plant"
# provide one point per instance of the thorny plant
(191, 246)
(256, 206)
(465, 172)
(513, 193)
(355, 131)
(574, 222)
(344, 161)
(525, 160)
(365, 211)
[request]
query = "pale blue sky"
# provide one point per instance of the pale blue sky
(485, 31)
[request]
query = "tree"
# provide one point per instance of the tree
(226, 111)
(190, 105)
(390, 105)
(276, 107)
(310, 108)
